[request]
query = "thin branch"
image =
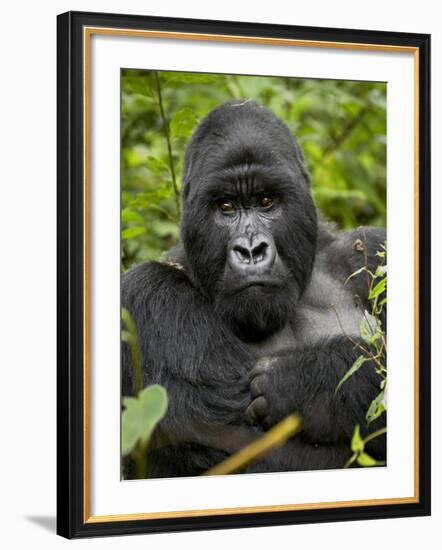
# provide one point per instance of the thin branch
(274, 438)
(346, 131)
(377, 433)
(166, 132)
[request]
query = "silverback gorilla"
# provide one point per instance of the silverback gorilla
(250, 318)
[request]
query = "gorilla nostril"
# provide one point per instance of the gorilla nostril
(259, 252)
(243, 254)
(251, 256)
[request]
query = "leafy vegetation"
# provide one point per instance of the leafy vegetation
(340, 125)
(141, 413)
(373, 352)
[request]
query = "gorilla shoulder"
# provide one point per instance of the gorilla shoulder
(148, 278)
(333, 305)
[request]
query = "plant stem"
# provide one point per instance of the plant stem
(377, 433)
(131, 338)
(168, 141)
(351, 460)
(139, 455)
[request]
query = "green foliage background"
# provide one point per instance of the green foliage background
(340, 125)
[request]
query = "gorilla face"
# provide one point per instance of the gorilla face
(249, 224)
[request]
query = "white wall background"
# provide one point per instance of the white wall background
(27, 301)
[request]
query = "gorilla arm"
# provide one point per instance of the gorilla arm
(305, 380)
(203, 367)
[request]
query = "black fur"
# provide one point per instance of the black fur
(240, 328)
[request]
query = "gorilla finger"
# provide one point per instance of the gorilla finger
(257, 385)
(250, 414)
(260, 407)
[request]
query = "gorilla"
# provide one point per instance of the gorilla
(252, 315)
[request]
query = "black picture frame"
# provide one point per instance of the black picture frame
(72, 517)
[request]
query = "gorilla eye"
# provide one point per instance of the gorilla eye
(226, 206)
(265, 201)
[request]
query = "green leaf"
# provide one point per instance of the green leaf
(365, 459)
(137, 85)
(183, 122)
(135, 156)
(141, 415)
(157, 166)
(128, 215)
(165, 228)
(354, 368)
(357, 443)
(343, 194)
(380, 271)
(370, 328)
(190, 78)
(132, 232)
(378, 289)
(376, 408)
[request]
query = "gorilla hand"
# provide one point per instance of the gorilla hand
(268, 388)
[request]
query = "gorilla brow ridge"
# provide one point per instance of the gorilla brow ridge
(261, 179)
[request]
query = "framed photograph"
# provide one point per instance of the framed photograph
(230, 196)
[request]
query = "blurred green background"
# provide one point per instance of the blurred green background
(340, 125)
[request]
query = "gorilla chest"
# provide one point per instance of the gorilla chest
(327, 311)
(278, 342)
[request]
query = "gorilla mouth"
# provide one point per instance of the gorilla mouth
(258, 283)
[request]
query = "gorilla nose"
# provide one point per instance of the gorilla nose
(248, 254)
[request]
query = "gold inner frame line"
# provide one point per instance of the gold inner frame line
(87, 33)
